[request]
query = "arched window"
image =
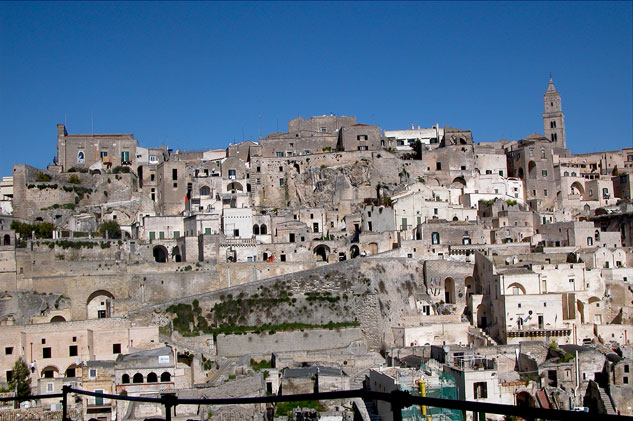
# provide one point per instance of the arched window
(152, 378)
(435, 238)
(125, 379)
(165, 377)
(204, 191)
(81, 157)
(256, 229)
(138, 378)
(263, 230)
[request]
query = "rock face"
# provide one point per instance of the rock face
(375, 293)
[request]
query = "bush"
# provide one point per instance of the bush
(120, 169)
(74, 179)
(41, 177)
(42, 229)
(113, 229)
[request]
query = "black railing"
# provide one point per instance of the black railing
(398, 400)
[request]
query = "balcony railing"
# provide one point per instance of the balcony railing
(398, 400)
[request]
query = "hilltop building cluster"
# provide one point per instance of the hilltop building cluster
(336, 255)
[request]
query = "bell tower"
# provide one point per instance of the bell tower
(553, 117)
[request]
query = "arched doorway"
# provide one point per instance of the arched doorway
(459, 180)
(263, 230)
(165, 377)
(322, 252)
(532, 169)
(235, 187)
(152, 378)
(449, 291)
(205, 191)
(483, 316)
(99, 304)
(520, 173)
(58, 319)
(577, 189)
(524, 399)
(470, 286)
(160, 254)
(50, 372)
(175, 252)
(138, 378)
(354, 252)
(6, 240)
(255, 229)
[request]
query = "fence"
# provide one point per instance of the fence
(398, 399)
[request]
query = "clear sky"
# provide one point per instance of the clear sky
(201, 75)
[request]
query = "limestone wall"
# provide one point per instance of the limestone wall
(313, 339)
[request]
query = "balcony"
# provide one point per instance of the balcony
(538, 333)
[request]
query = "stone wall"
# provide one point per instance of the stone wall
(311, 339)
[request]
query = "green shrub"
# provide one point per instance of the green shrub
(74, 179)
(41, 177)
(113, 229)
(120, 169)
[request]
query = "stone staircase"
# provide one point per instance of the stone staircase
(604, 396)
(480, 334)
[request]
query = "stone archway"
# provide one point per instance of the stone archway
(322, 251)
(160, 254)
(99, 304)
(354, 251)
(449, 290)
(175, 253)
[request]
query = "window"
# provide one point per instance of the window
(315, 227)
(291, 237)
(72, 351)
(626, 368)
(625, 380)
(545, 192)
(552, 124)
(279, 154)
(282, 257)
(161, 235)
(153, 159)
(80, 157)
(92, 373)
(46, 352)
(8, 350)
(323, 129)
(531, 151)
(9, 375)
(572, 284)
(174, 174)
(50, 387)
(464, 168)
(438, 166)
(361, 137)
(589, 241)
(435, 238)
(542, 153)
(207, 230)
(176, 234)
(544, 173)
(116, 348)
(362, 148)
(480, 390)
(103, 154)
(125, 157)
(152, 235)
(98, 399)
(554, 137)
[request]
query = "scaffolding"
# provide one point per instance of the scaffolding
(430, 382)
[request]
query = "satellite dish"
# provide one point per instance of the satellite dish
(447, 349)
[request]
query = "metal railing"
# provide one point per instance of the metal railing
(398, 400)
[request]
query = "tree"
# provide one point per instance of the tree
(21, 381)
(113, 229)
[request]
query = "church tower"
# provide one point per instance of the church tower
(553, 117)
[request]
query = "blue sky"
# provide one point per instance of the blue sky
(201, 75)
